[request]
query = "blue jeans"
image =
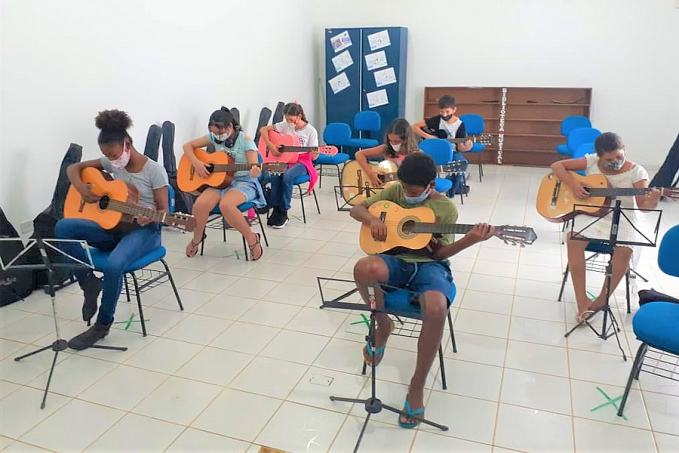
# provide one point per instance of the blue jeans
(125, 248)
(281, 186)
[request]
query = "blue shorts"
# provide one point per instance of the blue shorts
(420, 277)
(249, 187)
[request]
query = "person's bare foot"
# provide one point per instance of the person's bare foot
(381, 337)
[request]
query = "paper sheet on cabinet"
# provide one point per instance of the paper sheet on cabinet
(377, 98)
(376, 60)
(339, 83)
(378, 40)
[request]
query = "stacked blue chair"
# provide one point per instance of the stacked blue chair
(442, 152)
(580, 136)
(656, 324)
(567, 125)
(474, 125)
(366, 122)
(338, 135)
(582, 151)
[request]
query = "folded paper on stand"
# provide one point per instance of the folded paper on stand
(377, 98)
(385, 77)
(339, 83)
(376, 60)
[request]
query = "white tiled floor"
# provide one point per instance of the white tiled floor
(252, 360)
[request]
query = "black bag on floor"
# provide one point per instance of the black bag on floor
(183, 202)
(44, 223)
(14, 284)
(651, 295)
(668, 174)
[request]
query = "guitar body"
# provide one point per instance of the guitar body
(76, 208)
(278, 140)
(356, 186)
(189, 181)
(555, 200)
(396, 217)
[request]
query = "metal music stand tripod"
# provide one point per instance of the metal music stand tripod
(72, 263)
(617, 213)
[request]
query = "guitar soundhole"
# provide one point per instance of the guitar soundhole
(103, 202)
(407, 227)
(210, 168)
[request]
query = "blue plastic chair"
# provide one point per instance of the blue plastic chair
(582, 151)
(369, 122)
(656, 324)
(442, 152)
(149, 278)
(337, 134)
(474, 125)
(567, 125)
(170, 195)
(298, 183)
(579, 136)
(336, 160)
(402, 303)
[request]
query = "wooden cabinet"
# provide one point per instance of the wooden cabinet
(532, 118)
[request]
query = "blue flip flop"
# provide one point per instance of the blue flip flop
(373, 352)
(410, 413)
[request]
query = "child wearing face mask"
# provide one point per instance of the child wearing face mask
(444, 125)
(399, 142)
(127, 242)
(225, 135)
(609, 160)
(294, 123)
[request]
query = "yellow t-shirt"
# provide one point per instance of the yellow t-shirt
(443, 208)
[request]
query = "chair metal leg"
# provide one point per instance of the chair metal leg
(563, 283)
(127, 289)
(202, 243)
(480, 170)
(339, 175)
(224, 229)
(261, 225)
(174, 287)
(320, 176)
(633, 374)
(301, 199)
(318, 208)
(629, 304)
(141, 310)
(444, 384)
(245, 249)
(452, 333)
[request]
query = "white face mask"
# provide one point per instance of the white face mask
(121, 162)
(396, 147)
(219, 138)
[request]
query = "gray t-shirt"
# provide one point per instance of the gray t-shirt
(152, 176)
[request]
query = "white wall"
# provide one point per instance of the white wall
(64, 61)
(626, 50)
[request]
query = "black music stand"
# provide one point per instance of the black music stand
(49, 266)
(367, 192)
(373, 405)
(617, 212)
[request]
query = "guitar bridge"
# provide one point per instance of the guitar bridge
(555, 194)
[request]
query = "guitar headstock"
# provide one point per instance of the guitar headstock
(277, 168)
(328, 150)
(457, 166)
(670, 192)
(181, 221)
(516, 235)
(484, 139)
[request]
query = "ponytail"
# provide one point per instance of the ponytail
(294, 109)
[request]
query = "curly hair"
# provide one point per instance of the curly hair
(113, 125)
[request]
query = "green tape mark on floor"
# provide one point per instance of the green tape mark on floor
(609, 402)
(363, 321)
(129, 322)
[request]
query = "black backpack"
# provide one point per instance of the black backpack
(14, 284)
(668, 174)
(183, 202)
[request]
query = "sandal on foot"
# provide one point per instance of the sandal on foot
(253, 246)
(584, 316)
(194, 248)
(409, 413)
(379, 351)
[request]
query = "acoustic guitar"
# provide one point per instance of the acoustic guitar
(221, 167)
(357, 186)
(288, 146)
(483, 139)
(119, 203)
(557, 204)
(413, 228)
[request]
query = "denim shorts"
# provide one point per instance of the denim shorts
(420, 277)
(249, 187)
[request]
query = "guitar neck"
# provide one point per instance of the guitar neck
(297, 149)
(437, 228)
(134, 210)
(230, 168)
(624, 192)
(458, 140)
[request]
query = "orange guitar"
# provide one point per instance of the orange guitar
(119, 202)
(288, 145)
(221, 167)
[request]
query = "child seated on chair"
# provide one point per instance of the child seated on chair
(444, 125)
(295, 123)
(425, 271)
(225, 135)
(126, 244)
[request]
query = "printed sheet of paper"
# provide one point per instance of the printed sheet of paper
(342, 61)
(379, 40)
(385, 77)
(376, 60)
(377, 98)
(339, 83)
(341, 41)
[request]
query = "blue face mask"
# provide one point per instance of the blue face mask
(420, 199)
